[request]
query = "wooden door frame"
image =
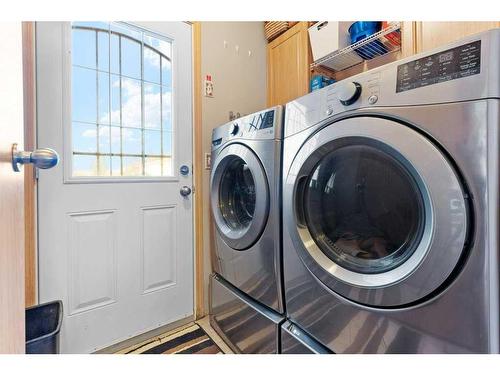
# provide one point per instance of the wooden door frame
(408, 38)
(199, 305)
(30, 228)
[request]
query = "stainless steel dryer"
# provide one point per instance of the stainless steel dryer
(245, 200)
(391, 205)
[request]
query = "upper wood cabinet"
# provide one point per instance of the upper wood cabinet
(429, 35)
(288, 60)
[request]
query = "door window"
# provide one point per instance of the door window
(237, 195)
(121, 101)
(363, 209)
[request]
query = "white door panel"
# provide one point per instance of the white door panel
(158, 255)
(118, 251)
(92, 260)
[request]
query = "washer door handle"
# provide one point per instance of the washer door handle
(185, 191)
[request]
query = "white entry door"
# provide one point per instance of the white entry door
(115, 233)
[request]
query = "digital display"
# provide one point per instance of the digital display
(458, 62)
(261, 121)
(444, 57)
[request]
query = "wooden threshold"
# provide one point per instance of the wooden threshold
(136, 341)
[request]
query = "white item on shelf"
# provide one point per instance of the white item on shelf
(328, 36)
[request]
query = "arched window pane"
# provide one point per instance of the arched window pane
(130, 58)
(151, 65)
(103, 51)
(85, 54)
(121, 101)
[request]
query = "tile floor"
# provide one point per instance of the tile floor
(203, 323)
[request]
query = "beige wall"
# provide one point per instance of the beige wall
(239, 86)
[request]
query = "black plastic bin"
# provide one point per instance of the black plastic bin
(43, 323)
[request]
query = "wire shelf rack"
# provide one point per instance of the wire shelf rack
(381, 43)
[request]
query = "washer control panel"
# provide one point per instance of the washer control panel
(259, 121)
(265, 124)
(234, 129)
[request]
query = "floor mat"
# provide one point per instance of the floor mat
(191, 340)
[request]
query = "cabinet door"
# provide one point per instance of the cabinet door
(288, 66)
(434, 34)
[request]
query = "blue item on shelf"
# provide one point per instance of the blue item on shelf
(316, 83)
(319, 81)
(362, 29)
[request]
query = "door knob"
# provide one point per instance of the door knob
(185, 191)
(43, 158)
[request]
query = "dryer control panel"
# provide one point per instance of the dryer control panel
(454, 63)
(464, 70)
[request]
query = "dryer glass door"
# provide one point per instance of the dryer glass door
(239, 196)
(379, 213)
(363, 208)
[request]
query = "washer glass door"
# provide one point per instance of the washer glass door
(239, 196)
(375, 211)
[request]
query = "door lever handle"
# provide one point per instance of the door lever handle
(43, 158)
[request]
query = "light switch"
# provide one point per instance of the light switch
(208, 161)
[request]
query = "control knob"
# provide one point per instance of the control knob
(235, 129)
(349, 92)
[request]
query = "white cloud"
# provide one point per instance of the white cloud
(131, 106)
(160, 45)
(131, 113)
(131, 102)
(104, 132)
(89, 133)
(151, 57)
(152, 114)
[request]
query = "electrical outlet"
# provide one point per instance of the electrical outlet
(208, 161)
(209, 86)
